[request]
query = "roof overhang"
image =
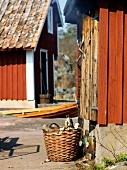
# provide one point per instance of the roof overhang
(75, 7)
(60, 13)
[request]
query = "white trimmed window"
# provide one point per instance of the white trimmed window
(50, 20)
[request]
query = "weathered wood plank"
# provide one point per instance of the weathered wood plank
(83, 76)
(90, 56)
(92, 43)
(88, 66)
(46, 112)
(77, 73)
(94, 51)
(52, 113)
(103, 63)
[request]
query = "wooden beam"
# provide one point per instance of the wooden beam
(45, 109)
(94, 57)
(88, 67)
(83, 75)
(46, 112)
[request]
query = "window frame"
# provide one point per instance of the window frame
(50, 20)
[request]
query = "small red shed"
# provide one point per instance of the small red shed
(28, 47)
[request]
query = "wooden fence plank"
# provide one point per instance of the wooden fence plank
(102, 64)
(83, 76)
(94, 54)
(77, 72)
(119, 65)
(88, 67)
(112, 59)
(92, 64)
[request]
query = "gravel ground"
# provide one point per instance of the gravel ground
(22, 145)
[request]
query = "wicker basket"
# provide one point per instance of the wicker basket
(62, 147)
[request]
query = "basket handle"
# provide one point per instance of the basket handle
(54, 124)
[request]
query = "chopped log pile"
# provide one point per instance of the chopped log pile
(59, 111)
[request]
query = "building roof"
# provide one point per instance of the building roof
(21, 22)
(75, 7)
(70, 12)
(59, 10)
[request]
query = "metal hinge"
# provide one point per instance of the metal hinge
(94, 108)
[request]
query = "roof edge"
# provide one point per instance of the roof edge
(74, 7)
(58, 5)
(68, 10)
(59, 10)
(68, 2)
(42, 27)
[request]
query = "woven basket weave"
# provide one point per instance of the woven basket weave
(62, 147)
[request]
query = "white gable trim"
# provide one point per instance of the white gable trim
(30, 85)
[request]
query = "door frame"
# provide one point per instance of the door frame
(47, 80)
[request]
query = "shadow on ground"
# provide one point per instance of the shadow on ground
(9, 148)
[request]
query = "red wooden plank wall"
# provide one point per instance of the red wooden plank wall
(103, 64)
(112, 88)
(112, 71)
(125, 68)
(12, 75)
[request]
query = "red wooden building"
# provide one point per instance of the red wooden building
(102, 72)
(28, 47)
(108, 46)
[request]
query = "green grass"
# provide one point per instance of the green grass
(108, 162)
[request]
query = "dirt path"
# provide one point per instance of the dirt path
(22, 145)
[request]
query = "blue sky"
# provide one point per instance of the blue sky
(62, 4)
